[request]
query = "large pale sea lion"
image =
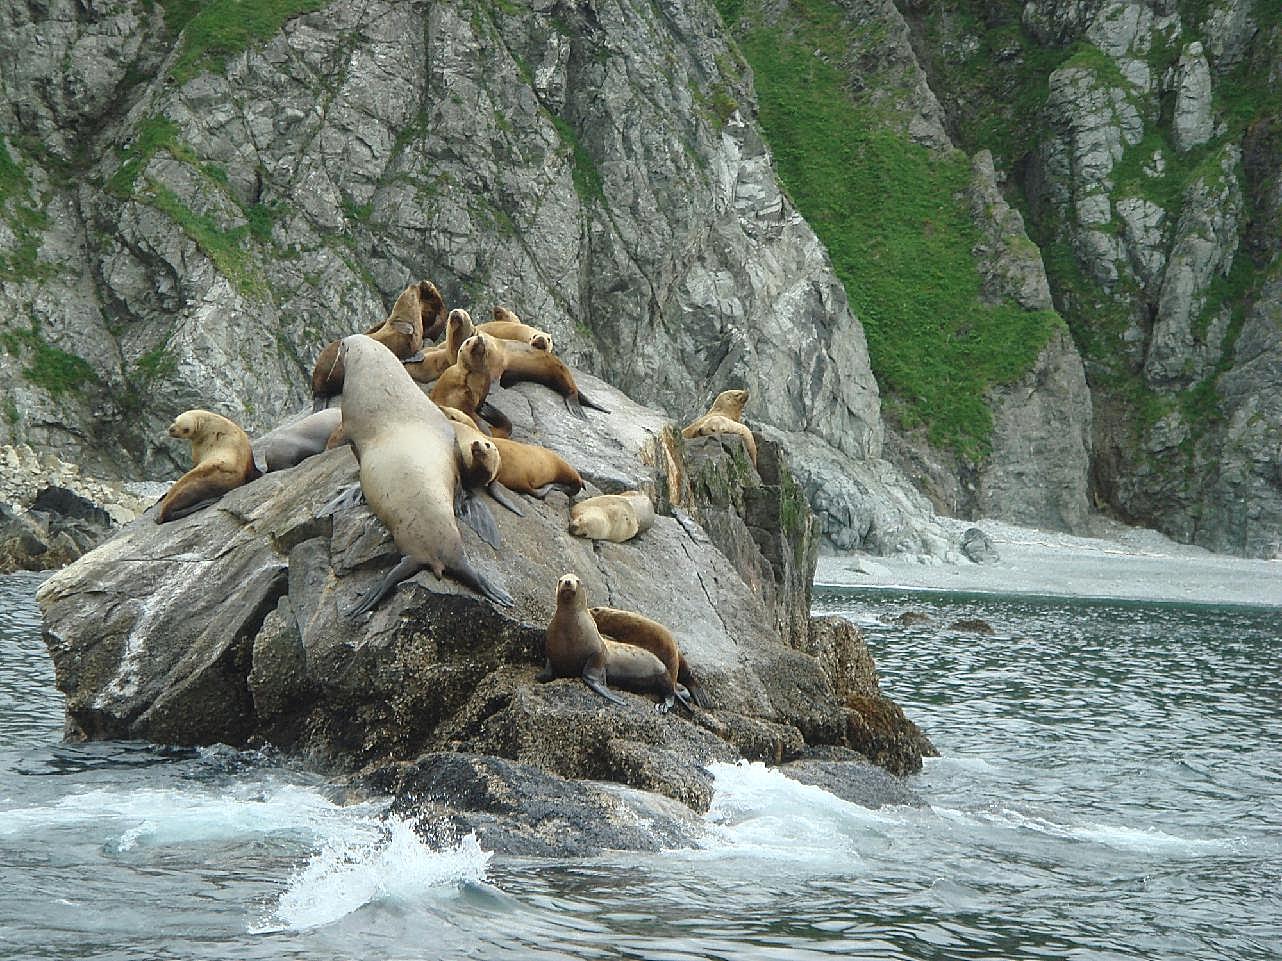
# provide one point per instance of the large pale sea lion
(222, 460)
(409, 469)
(575, 648)
(629, 627)
(401, 333)
(725, 417)
(612, 517)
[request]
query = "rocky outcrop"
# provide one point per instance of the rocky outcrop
(228, 626)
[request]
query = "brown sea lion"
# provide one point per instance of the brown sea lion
(531, 469)
(525, 362)
(222, 460)
(409, 470)
(401, 333)
(286, 447)
(481, 459)
(430, 364)
(628, 627)
(725, 417)
(575, 648)
(466, 384)
(612, 517)
(507, 326)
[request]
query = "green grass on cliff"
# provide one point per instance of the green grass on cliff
(215, 30)
(49, 367)
(897, 225)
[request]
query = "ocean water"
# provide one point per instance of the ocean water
(1110, 787)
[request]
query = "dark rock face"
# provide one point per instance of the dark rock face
(227, 626)
(57, 528)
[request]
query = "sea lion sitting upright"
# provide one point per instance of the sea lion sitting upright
(430, 364)
(575, 648)
(409, 469)
(725, 417)
(222, 460)
(401, 333)
(465, 385)
(612, 517)
(287, 447)
(628, 627)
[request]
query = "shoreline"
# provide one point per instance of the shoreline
(1123, 564)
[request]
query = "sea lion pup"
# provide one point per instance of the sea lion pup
(575, 648)
(287, 447)
(222, 460)
(481, 459)
(401, 333)
(527, 362)
(507, 326)
(466, 384)
(409, 470)
(612, 517)
(725, 417)
(628, 627)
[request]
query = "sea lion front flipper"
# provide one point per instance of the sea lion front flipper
(406, 567)
(495, 417)
(547, 674)
(319, 403)
(501, 494)
(682, 696)
(473, 512)
(594, 677)
(574, 407)
(414, 358)
(542, 492)
(345, 499)
(587, 401)
(190, 509)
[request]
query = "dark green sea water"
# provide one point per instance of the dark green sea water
(1111, 787)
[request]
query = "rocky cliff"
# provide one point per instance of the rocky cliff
(195, 197)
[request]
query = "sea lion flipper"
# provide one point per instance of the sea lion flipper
(542, 492)
(547, 674)
(319, 403)
(501, 423)
(594, 677)
(415, 358)
(189, 509)
(406, 567)
(474, 579)
(501, 494)
(475, 514)
(574, 407)
(587, 401)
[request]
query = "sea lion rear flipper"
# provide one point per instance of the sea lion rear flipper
(682, 697)
(473, 512)
(574, 407)
(474, 579)
(501, 494)
(587, 401)
(345, 499)
(594, 677)
(688, 685)
(407, 567)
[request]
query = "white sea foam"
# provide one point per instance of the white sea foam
(376, 861)
(759, 812)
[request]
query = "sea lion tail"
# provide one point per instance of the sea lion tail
(586, 401)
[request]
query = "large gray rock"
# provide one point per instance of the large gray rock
(227, 625)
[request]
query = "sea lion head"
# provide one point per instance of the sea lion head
(485, 459)
(502, 313)
(579, 525)
(472, 353)
(569, 590)
(541, 341)
(730, 403)
(187, 425)
(459, 323)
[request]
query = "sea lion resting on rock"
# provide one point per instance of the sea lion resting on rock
(409, 464)
(612, 517)
(222, 457)
(724, 417)
(401, 333)
(507, 326)
(628, 627)
(287, 447)
(575, 648)
(525, 362)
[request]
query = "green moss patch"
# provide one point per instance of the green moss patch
(896, 220)
(50, 368)
(227, 248)
(215, 30)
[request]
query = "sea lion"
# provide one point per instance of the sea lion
(575, 648)
(526, 362)
(286, 447)
(222, 460)
(531, 469)
(466, 384)
(401, 333)
(481, 459)
(725, 417)
(628, 627)
(430, 364)
(409, 469)
(612, 517)
(507, 326)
